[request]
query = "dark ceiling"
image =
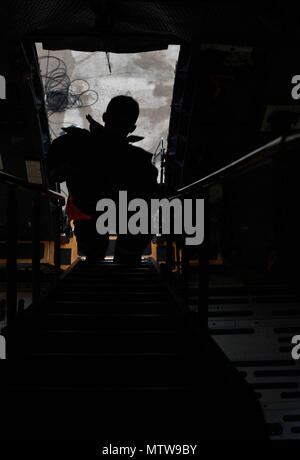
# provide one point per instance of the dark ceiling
(133, 26)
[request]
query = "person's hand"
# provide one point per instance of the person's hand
(133, 139)
(94, 125)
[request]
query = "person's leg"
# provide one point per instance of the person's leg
(89, 242)
(129, 248)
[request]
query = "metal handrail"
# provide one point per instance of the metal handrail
(14, 182)
(257, 158)
(254, 159)
(36, 188)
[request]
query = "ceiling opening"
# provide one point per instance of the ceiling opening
(79, 83)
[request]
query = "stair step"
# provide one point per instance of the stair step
(103, 390)
(129, 273)
(96, 355)
(109, 294)
(108, 306)
(101, 285)
(104, 372)
(88, 341)
(108, 276)
(97, 321)
(70, 414)
(114, 268)
(113, 289)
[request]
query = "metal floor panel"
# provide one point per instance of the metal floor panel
(256, 336)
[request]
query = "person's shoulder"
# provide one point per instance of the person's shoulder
(142, 159)
(74, 140)
(76, 133)
(75, 130)
(140, 152)
(71, 134)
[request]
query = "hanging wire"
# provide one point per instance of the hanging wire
(59, 93)
(108, 61)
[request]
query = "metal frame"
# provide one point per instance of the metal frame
(14, 182)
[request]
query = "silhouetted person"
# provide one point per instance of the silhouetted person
(97, 164)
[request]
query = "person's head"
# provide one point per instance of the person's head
(121, 115)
